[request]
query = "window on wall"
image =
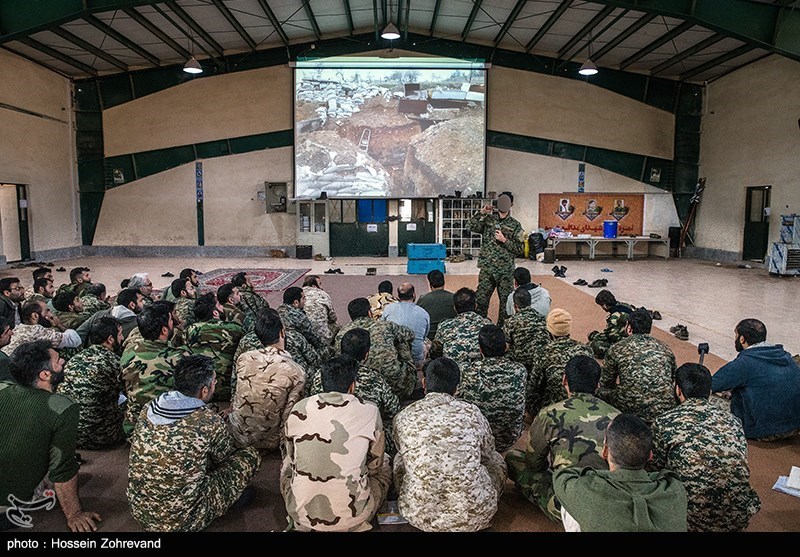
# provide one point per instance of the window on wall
(372, 210)
(342, 210)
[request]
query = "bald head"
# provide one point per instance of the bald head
(405, 292)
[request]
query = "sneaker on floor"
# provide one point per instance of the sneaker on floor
(580, 282)
(556, 271)
(656, 315)
(682, 333)
(599, 283)
(675, 328)
(330, 272)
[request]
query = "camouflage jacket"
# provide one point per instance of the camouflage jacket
(544, 381)
(218, 340)
(379, 301)
(389, 353)
(457, 338)
(29, 333)
(93, 379)
(639, 377)
(332, 454)
(233, 314)
(526, 334)
(705, 446)
(251, 301)
(171, 469)
(497, 387)
(319, 309)
(447, 473)
(295, 344)
(71, 319)
(77, 287)
(184, 309)
(296, 319)
(495, 256)
(147, 369)
(92, 304)
(268, 384)
(616, 322)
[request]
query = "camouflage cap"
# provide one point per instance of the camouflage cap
(559, 322)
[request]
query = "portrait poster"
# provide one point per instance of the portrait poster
(584, 213)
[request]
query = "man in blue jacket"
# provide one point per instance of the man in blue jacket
(764, 382)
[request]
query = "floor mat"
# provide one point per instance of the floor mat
(263, 280)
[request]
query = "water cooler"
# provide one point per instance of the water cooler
(784, 257)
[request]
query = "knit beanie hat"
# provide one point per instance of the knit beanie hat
(559, 322)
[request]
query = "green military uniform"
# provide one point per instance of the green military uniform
(71, 319)
(567, 433)
(251, 301)
(184, 309)
(93, 379)
(233, 313)
(77, 287)
(184, 474)
(705, 446)
(92, 304)
(616, 322)
(526, 334)
(545, 378)
(147, 369)
(496, 260)
(389, 353)
(496, 385)
(457, 338)
(218, 340)
(639, 377)
(296, 319)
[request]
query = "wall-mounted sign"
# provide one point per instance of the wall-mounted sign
(372, 228)
(119, 177)
(411, 226)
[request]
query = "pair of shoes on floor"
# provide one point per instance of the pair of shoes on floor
(560, 272)
(336, 271)
(580, 282)
(680, 331)
(599, 283)
(606, 270)
(61, 270)
(372, 270)
(167, 274)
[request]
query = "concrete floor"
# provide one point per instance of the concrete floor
(709, 298)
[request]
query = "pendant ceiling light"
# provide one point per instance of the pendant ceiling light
(390, 32)
(588, 68)
(192, 66)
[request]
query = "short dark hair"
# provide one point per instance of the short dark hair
(492, 341)
(407, 294)
(40, 282)
(442, 376)
(64, 299)
(187, 273)
(338, 373)
(152, 319)
(192, 373)
(28, 309)
(753, 331)
(76, 272)
(103, 328)
(583, 374)
(40, 272)
(124, 283)
(95, 289)
(605, 298)
(629, 440)
(522, 275)
(268, 326)
(28, 359)
(178, 285)
(311, 280)
(128, 295)
(385, 286)
(358, 307)
(292, 294)
(239, 279)
(641, 322)
(694, 380)
(356, 343)
(522, 297)
(5, 283)
(436, 278)
(204, 306)
(464, 300)
(224, 292)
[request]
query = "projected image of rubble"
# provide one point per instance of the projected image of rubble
(389, 133)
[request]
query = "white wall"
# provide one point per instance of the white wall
(750, 137)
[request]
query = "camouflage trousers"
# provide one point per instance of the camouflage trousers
(104, 433)
(488, 281)
(536, 487)
(600, 345)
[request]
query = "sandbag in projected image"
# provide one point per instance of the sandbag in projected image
(389, 132)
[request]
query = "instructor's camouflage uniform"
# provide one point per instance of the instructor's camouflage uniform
(568, 433)
(705, 446)
(447, 473)
(497, 387)
(218, 340)
(527, 335)
(545, 379)
(457, 338)
(639, 377)
(496, 260)
(183, 475)
(334, 476)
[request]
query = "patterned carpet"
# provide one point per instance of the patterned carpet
(264, 281)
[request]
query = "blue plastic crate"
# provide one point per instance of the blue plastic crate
(424, 266)
(426, 251)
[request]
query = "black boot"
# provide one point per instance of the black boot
(563, 272)
(556, 271)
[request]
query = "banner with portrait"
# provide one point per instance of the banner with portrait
(584, 213)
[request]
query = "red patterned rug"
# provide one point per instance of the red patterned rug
(263, 280)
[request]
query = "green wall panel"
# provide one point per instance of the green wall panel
(152, 81)
(115, 90)
(282, 138)
(86, 120)
(153, 162)
(568, 151)
(662, 93)
(212, 149)
(627, 164)
(91, 203)
(91, 176)
(89, 144)
(86, 95)
(516, 142)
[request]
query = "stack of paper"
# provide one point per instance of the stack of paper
(789, 484)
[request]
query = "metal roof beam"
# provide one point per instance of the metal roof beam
(349, 13)
(187, 19)
(58, 55)
(147, 24)
(476, 6)
(375, 18)
(616, 41)
(311, 18)
(744, 49)
(435, 15)
(226, 13)
(510, 21)
(274, 21)
(594, 22)
(557, 13)
(407, 16)
(702, 45)
(122, 39)
(662, 40)
(80, 43)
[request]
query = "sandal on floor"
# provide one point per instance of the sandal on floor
(580, 282)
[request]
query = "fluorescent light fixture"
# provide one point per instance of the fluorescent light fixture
(192, 66)
(588, 68)
(390, 32)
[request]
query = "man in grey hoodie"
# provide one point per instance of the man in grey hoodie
(540, 297)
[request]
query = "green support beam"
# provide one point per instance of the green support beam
(349, 13)
(188, 35)
(510, 21)
(557, 13)
(311, 19)
(58, 55)
(147, 24)
(585, 30)
(407, 17)
(476, 7)
(274, 21)
(662, 40)
(744, 49)
(187, 19)
(375, 18)
(435, 15)
(122, 39)
(80, 43)
(702, 45)
(226, 13)
(619, 39)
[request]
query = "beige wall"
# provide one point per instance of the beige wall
(40, 152)
(750, 138)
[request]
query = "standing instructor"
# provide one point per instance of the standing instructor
(501, 243)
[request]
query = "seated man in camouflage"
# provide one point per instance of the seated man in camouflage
(294, 317)
(41, 291)
(187, 273)
(268, 383)
(383, 298)
(93, 379)
(39, 323)
(184, 469)
(40, 273)
(525, 329)
(457, 338)
(228, 296)
(142, 283)
(212, 336)
(496, 385)
(705, 446)
(95, 298)
(334, 475)
(128, 304)
(639, 372)
(79, 279)
(319, 308)
(567, 433)
(251, 301)
(184, 293)
(390, 347)
(69, 309)
(616, 320)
